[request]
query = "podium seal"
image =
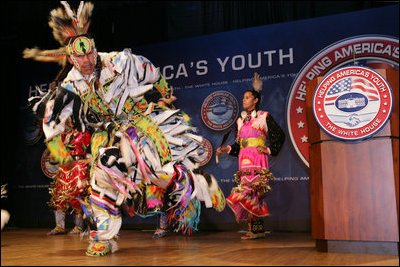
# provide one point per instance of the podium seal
(352, 103)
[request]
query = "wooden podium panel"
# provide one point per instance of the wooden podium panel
(354, 186)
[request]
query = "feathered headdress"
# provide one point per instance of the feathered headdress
(65, 24)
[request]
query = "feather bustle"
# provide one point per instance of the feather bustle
(55, 55)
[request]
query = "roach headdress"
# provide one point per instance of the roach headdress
(66, 25)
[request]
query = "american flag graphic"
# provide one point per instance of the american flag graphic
(351, 85)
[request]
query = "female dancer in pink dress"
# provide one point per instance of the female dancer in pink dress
(254, 127)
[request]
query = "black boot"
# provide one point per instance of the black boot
(256, 228)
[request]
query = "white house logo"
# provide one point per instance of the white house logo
(370, 50)
(219, 110)
(352, 103)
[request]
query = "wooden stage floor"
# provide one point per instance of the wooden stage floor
(136, 247)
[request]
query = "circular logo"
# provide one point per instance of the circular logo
(370, 50)
(219, 110)
(207, 152)
(49, 166)
(352, 103)
(80, 46)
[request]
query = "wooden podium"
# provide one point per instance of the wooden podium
(354, 187)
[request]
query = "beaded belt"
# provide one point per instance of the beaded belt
(252, 142)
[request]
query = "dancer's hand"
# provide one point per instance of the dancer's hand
(222, 150)
(257, 82)
(84, 161)
(263, 150)
(68, 165)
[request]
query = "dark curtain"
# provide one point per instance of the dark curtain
(191, 18)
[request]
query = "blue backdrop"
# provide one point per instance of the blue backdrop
(198, 67)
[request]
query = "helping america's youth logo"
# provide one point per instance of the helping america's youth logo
(368, 50)
(219, 110)
(352, 103)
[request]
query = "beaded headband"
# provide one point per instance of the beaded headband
(80, 46)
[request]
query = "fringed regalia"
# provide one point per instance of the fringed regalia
(143, 155)
(71, 180)
(247, 198)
